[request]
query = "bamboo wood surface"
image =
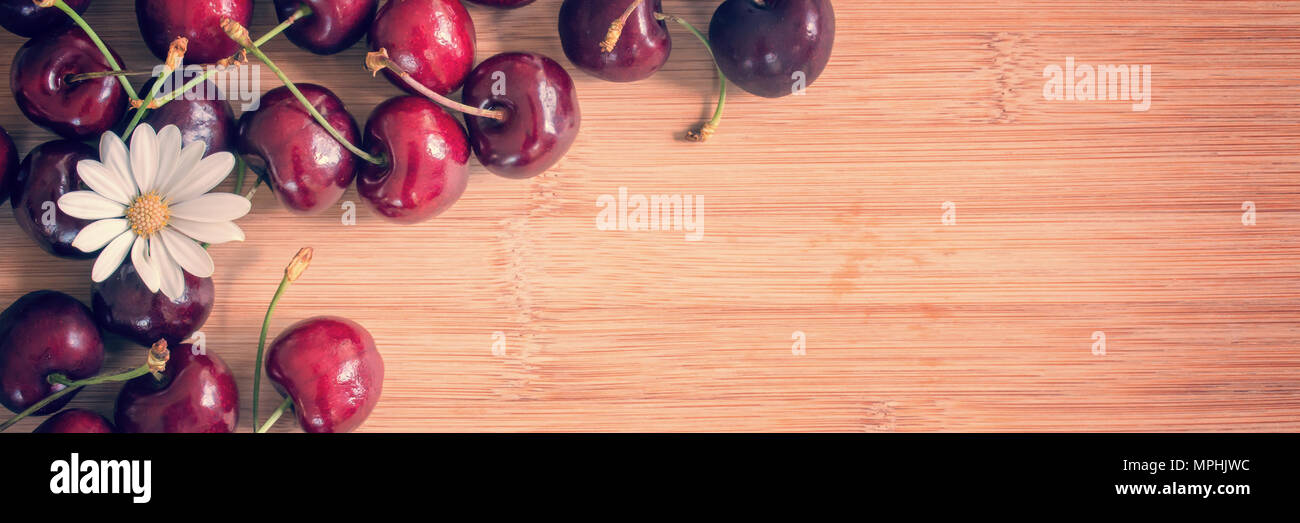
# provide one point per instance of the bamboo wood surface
(822, 214)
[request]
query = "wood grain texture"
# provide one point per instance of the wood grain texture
(822, 214)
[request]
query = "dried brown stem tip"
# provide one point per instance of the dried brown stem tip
(299, 264)
(236, 32)
(378, 61)
(702, 134)
(45, 3)
(158, 356)
(176, 53)
(616, 28)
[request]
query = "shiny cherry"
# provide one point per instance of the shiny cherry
(331, 369)
(771, 48)
(123, 305)
(640, 52)
(332, 26)
(199, 116)
(49, 172)
(504, 4)
(24, 18)
(161, 21)
(197, 393)
(8, 164)
(426, 157)
(39, 75)
(308, 169)
(44, 333)
(433, 40)
(75, 421)
(541, 111)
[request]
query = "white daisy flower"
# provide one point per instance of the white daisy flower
(151, 202)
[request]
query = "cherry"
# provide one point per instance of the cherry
(49, 172)
(332, 26)
(199, 118)
(771, 47)
(504, 4)
(43, 333)
(39, 75)
(161, 21)
(433, 40)
(330, 368)
(8, 164)
(640, 52)
(427, 155)
(541, 112)
(195, 393)
(308, 169)
(123, 305)
(78, 421)
(24, 18)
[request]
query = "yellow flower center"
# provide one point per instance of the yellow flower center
(148, 214)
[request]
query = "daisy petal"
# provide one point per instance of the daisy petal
(112, 152)
(101, 179)
(185, 164)
(214, 233)
(194, 259)
(111, 257)
(140, 259)
(213, 207)
(95, 236)
(87, 205)
(208, 174)
(144, 156)
(169, 150)
(173, 281)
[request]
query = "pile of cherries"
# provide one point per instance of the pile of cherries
(410, 163)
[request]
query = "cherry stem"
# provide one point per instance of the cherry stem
(616, 28)
(275, 415)
(81, 77)
(291, 273)
(81, 22)
(239, 34)
(379, 60)
(239, 178)
(155, 362)
(705, 131)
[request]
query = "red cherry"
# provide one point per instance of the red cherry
(197, 393)
(331, 369)
(426, 157)
(75, 421)
(39, 75)
(49, 172)
(541, 108)
(433, 40)
(161, 21)
(332, 26)
(43, 333)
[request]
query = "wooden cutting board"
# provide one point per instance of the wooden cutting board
(922, 242)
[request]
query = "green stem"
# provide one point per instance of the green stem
(144, 107)
(275, 416)
(261, 343)
(72, 386)
(708, 128)
(112, 62)
(310, 108)
(242, 172)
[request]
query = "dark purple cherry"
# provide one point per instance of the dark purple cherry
(124, 306)
(197, 393)
(49, 172)
(433, 40)
(504, 4)
(75, 421)
(331, 369)
(426, 157)
(39, 75)
(161, 21)
(24, 18)
(200, 115)
(640, 52)
(8, 164)
(44, 333)
(773, 48)
(309, 170)
(541, 111)
(332, 26)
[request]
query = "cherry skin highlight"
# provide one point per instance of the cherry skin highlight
(38, 78)
(426, 155)
(197, 393)
(433, 40)
(640, 52)
(75, 421)
(49, 172)
(542, 114)
(331, 369)
(308, 169)
(44, 333)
